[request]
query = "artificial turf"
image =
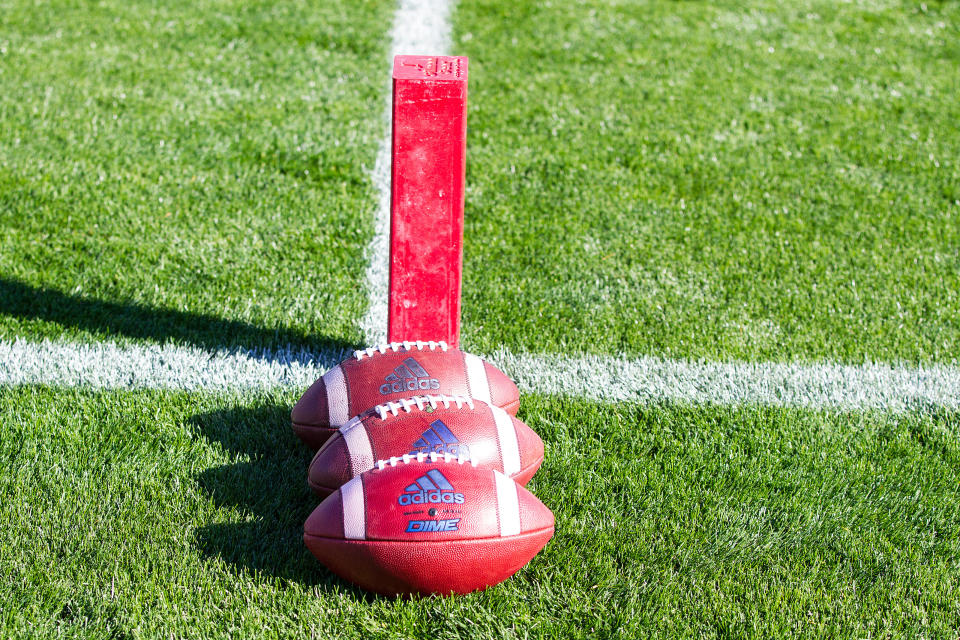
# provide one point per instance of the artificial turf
(752, 180)
(152, 514)
(757, 181)
(724, 180)
(196, 169)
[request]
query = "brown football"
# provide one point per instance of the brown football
(429, 524)
(486, 435)
(391, 372)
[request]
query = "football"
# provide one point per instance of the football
(428, 524)
(465, 428)
(391, 372)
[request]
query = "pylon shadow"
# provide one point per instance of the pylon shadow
(135, 320)
(270, 493)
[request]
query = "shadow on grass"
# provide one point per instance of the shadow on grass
(271, 490)
(134, 320)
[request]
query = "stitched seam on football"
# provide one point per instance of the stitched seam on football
(458, 540)
(527, 468)
(317, 427)
(314, 485)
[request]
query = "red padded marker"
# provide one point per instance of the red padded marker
(426, 218)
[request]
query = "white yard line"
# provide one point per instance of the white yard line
(419, 27)
(815, 386)
(611, 379)
(423, 26)
(106, 365)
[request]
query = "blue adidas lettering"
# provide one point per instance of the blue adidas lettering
(430, 488)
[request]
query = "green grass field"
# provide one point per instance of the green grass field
(153, 513)
(759, 181)
(190, 157)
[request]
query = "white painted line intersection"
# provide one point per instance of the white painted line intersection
(643, 380)
(419, 27)
(423, 27)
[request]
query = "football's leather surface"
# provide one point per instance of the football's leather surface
(428, 526)
(471, 429)
(391, 372)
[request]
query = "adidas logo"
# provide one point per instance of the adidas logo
(430, 488)
(409, 376)
(438, 438)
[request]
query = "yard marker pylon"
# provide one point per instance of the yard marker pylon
(427, 197)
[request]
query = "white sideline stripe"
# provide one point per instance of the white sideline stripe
(354, 510)
(508, 505)
(815, 386)
(358, 446)
(477, 377)
(335, 385)
(419, 27)
(606, 378)
(106, 365)
(507, 435)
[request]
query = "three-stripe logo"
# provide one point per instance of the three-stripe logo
(409, 376)
(438, 438)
